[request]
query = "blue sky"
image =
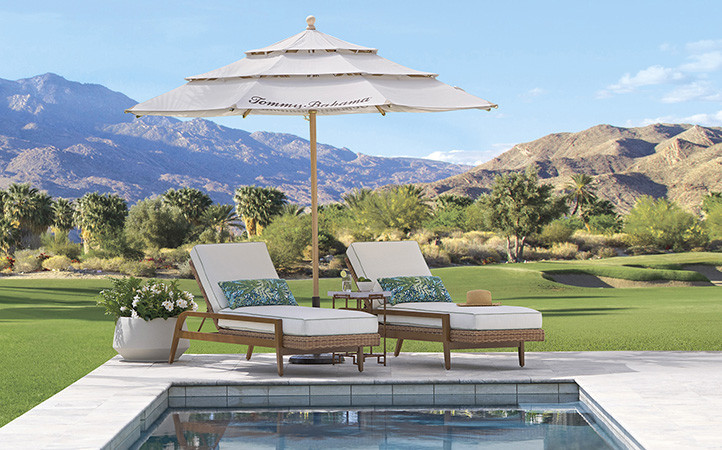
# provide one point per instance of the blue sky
(551, 66)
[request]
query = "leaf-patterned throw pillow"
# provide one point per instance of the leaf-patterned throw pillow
(415, 289)
(271, 291)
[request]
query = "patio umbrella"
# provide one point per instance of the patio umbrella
(310, 74)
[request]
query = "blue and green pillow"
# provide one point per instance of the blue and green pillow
(264, 292)
(415, 289)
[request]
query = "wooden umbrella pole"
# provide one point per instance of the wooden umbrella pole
(316, 299)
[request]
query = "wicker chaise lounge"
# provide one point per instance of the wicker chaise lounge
(454, 326)
(289, 329)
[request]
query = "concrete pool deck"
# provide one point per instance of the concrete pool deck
(661, 399)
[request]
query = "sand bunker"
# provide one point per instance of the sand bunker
(593, 281)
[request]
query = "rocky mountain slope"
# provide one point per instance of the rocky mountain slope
(70, 138)
(682, 162)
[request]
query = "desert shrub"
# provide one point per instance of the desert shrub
(559, 230)
(435, 255)
(605, 252)
(537, 253)
(155, 224)
(184, 270)
(91, 263)
(58, 262)
(175, 256)
(28, 261)
(643, 250)
(391, 235)
(480, 236)
(287, 237)
(138, 268)
(112, 264)
(584, 255)
(663, 224)
(423, 236)
(61, 245)
(564, 250)
(605, 223)
(337, 263)
(470, 248)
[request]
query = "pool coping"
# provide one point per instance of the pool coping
(111, 406)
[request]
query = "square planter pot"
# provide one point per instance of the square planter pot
(147, 341)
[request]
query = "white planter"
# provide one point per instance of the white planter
(138, 340)
(365, 286)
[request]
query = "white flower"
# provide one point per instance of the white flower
(134, 314)
(123, 309)
(136, 299)
(194, 306)
(182, 303)
(168, 305)
(188, 296)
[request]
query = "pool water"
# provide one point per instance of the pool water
(553, 428)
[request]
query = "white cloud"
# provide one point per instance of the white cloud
(469, 157)
(697, 90)
(532, 93)
(703, 62)
(704, 119)
(650, 76)
(704, 46)
(703, 58)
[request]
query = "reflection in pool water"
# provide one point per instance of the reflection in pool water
(377, 429)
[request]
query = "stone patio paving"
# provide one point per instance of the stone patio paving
(662, 399)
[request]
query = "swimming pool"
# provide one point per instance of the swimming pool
(530, 426)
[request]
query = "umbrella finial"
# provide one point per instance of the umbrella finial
(310, 20)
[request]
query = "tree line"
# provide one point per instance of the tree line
(517, 208)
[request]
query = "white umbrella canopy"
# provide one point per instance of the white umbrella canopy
(310, 74)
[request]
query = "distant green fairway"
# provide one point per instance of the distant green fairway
(52, 333)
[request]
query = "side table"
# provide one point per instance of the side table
(364, 302)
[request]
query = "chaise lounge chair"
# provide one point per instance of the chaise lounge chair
(289, 329)
(446, 322)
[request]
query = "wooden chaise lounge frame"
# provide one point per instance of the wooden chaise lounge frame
(450, 338)
(284, 344)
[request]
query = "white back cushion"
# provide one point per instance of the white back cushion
(375, 260)
(229, 262)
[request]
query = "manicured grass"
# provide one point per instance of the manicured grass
(51, 332)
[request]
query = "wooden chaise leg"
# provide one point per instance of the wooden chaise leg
(249, 352)
(521, 353)
(360, 359)
(174, 343)
(399, 343)
(279, 361)
(447, 356)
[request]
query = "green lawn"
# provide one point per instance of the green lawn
(51, 332)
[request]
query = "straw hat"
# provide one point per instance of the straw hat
(479, 297)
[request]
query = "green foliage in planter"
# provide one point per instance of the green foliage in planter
(129, 297)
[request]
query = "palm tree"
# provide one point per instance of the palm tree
(581, 190)
(192, 202)
(98, 214)
(62, 218)
(30, 211)
(220, 218)
(9, 235)
(292, 209)
(257, 206)
(357, 196)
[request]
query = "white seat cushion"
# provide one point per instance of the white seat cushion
(304, 320)
(468, 318)
(374, 260)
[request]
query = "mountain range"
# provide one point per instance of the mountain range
(679, 161)
(69, 138)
